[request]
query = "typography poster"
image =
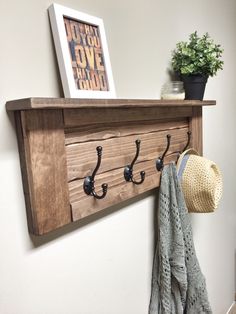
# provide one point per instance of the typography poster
(87, 58)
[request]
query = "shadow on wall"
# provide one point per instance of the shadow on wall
(235, 276)
(37, 241)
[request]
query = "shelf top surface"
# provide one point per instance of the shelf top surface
(73, 103)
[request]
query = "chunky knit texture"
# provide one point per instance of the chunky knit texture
(178, 285)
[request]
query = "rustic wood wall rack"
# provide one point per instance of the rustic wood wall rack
(58, 139)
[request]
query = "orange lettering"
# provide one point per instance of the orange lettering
(90, 56)
(99, 59)
(103, 81)
(80, 56)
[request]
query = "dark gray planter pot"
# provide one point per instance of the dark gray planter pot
(194, 86)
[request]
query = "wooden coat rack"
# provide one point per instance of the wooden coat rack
(58, 138)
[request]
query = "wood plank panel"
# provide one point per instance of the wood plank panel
(101, 132)
(75, 118)
(114, 178)
(118, 189)
(120, 151)
(44, 150)
(115, 195)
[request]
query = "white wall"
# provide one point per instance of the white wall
(105, 267)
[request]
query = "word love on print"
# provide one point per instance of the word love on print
(82, 53)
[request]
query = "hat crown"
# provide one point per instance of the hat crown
(201, 182)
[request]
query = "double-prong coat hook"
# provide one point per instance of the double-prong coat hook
(89, 181)
(189, 133)
(160, 160)
(128, 171)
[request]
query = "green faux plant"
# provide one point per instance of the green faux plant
(199, 55)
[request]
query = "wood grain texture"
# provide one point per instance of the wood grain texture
(120, 151)
(196, 129)
(73, 117)
(118, 189)
(97, 132)
(54, 103)
(44, 154)
(25, 172)
(57, 144)
(116, 194)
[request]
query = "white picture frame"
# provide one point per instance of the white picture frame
(82, 53)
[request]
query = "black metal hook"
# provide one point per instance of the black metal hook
(128, 171)
(160, 160)
(89, 181)
(189, 133)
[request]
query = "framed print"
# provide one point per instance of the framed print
(82, 53)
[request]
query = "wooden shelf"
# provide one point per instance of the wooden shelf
(57, 143)
(64, 103)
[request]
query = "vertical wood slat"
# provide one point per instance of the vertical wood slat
(196, 129)
(44, 171)
(32, 222)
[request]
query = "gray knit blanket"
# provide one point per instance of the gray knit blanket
(178, 285)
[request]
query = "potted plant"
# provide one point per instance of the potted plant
(194, 61)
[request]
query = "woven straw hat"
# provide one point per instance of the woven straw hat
(201, 182)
